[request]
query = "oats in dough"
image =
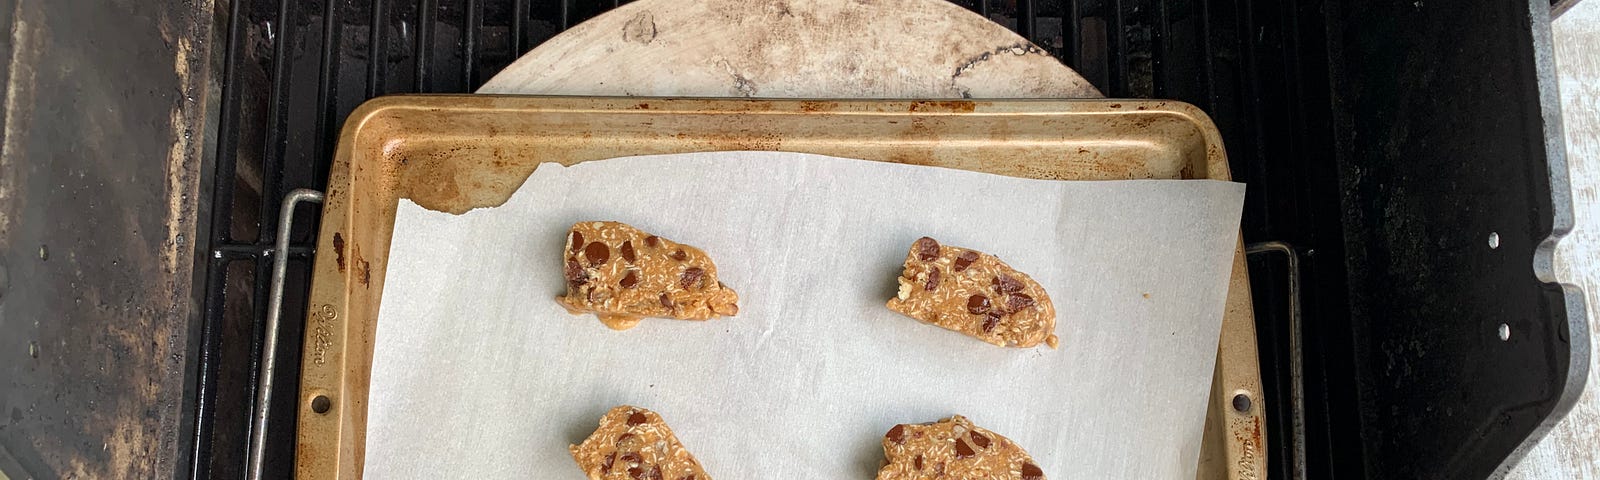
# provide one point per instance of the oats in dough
(623, 274)
(953, 449)
(976, 294)
(635, 444)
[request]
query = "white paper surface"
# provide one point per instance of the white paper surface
(477, 373)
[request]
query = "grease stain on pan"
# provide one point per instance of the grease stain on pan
(363, 269)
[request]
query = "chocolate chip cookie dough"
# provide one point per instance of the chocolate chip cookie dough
(953, 449)
(974, 293)
(623, 274)
(635, 444)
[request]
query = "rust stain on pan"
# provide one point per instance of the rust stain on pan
(1247, 435)
(338, 250)
(734, 140)
(812, 106)
(951, 106)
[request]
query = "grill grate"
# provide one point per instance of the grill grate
(294, 69)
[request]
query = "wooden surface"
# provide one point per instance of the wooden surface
(1572, 448)
(791, 49)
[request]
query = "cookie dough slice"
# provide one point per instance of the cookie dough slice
(635, 444)
(974, 293)
(953, 448)
(623, 274)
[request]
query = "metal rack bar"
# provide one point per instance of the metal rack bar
(1119, 52)
(377, 50)
(566, 14)
(235, 251)
(469, 47)
(424, 47)
(1205, 41)
(280, 266)
(1159, 51)
(519, 19)
(275, 148)
(326, 87)
(1071, 26)
(276, 142)
(1296, 368)
(226, 156)
(1027, 19)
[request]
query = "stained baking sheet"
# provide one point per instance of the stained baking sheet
(477, 373)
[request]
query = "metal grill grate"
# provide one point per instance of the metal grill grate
(294, 69)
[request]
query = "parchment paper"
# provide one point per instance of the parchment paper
(477, 373)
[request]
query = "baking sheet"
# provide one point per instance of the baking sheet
(477, 373)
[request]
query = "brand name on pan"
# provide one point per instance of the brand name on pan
(322, 333)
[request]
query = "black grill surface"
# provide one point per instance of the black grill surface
(1369, 139)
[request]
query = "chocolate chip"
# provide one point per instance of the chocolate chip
(979, 440)
(575, 274)
(917, 462)
(1032, 472)
(627, 251)
(691, 277)
(933, 280)
(965, 260)
(576, 242)
(630, 459)
(630, 280)
(605, 465)
(927, 249)
(993, 320)
(653, 241)
(897, 434)
(597, 253)
(623, 438)
(679, 255)
(963, 450)
(1005, 284)
(665, 300)
(1018, 301)
(978, 304)
(637, 418)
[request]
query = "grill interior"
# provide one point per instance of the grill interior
(1265, 71)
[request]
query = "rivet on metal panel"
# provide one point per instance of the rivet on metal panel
(321, 404)
(1241, 403)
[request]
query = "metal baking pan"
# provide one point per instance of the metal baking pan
(453, 153)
